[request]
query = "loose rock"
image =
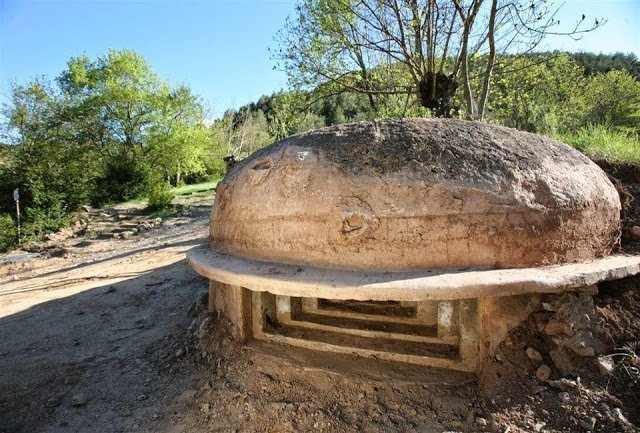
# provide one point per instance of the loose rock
(78, 400)
(588, 423)
(533, 354)
(634, 233)
(127, 234)
(563, 384)
(539, 426)
(619, 417)
(53, 402)
(561, 361)
(556, 327)
(605, 365)
(543, 373)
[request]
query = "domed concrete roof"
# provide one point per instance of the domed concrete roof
(416, 194)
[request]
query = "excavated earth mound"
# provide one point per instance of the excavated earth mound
(416, 194)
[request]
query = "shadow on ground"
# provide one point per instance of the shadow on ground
(100, 360)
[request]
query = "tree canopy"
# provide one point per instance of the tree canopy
(429, 48)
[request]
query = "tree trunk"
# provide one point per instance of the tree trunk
(468, 20)
(482, 103)
(468, 92)
(372, 102)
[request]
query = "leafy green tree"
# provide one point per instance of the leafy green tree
(119, 89)
(8, 176)
(308, 121)
(545, 96)
(177, 140)
(284, 119)
(613, 99)
(54, 173)
(427, 48)
(343, 107)
(219, 133)
(239, 134)
(150, 131)
(8, 231)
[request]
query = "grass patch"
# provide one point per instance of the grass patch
(196, 188)
(167, 212)
(607, 143)
(133, 202)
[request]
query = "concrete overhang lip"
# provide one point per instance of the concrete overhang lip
(422, 285)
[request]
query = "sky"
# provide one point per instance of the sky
(217, 47)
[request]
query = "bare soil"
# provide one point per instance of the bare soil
(626, 178)
(112, 335)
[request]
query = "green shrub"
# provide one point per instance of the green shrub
(604, 142)
(44, 220)
(8, 232)
(160, 195)
(613, 99)
(216, 168)
(123, 179)
(47, 213)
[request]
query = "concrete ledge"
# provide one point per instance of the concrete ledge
(305, 281)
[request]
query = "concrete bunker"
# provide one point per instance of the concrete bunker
(421, 241)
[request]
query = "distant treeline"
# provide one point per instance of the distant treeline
(601, 63)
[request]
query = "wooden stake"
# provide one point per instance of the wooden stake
(16, 197)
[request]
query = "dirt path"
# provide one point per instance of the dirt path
(84, 337)
(114, 337)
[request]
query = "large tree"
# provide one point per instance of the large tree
(120, 91)
(134, 115)
(426, 48)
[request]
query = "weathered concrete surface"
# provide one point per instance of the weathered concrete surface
(235, 303)
(425, 285)
(499, 315)
(416, 194)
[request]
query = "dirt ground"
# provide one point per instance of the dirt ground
(112, 335)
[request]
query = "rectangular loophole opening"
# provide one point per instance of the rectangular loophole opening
(427, 333)
(382, 308)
